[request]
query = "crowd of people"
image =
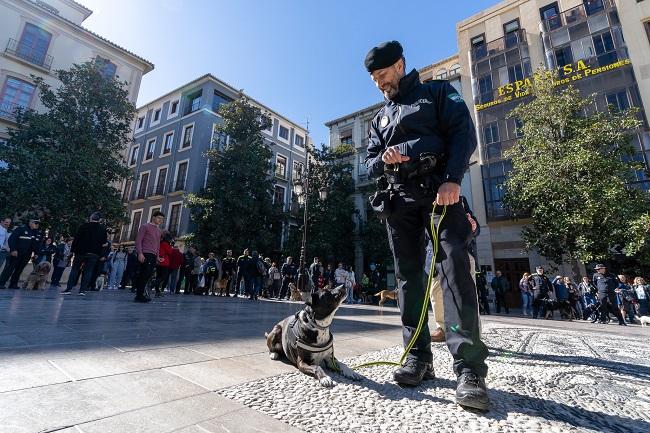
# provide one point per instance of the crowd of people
(155, 265)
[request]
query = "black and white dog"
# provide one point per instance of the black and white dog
(305, 338)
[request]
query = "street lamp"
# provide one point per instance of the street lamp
(301, 188)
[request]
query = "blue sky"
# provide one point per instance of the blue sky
(302, 58)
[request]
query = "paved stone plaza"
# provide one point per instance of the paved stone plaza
(101, 363)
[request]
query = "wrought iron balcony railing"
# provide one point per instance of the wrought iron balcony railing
(30, 54)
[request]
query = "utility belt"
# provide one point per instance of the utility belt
(419, 174)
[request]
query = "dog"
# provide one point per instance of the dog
(645, 320)
(305, 338)
(295, 293)
(37, 279)
(387, 294)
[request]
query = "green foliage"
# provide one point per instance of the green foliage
(375, 241)
(570, 176)
(330, 224)
(64, 163)
(343, 149)
(236, 210)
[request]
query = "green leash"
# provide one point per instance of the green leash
(435, 230)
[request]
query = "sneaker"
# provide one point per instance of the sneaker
(81, 294)
(66, 292)
(471, 392)
(413, 372)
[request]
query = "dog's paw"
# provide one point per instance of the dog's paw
(353, 375)
(326, 382)
(274, 356)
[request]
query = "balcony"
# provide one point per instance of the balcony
(509, 41)
(192, 106)
(578, 14)
(29, 54)
(8, 111)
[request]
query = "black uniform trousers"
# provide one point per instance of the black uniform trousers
(88, 261)
(608, 305)
(144, 274)
(410, 217)
(13, 269)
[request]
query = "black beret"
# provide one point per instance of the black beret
(383, 56)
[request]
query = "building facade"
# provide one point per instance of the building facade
(501, 47)
(42, 36)
(171, 135)
(353, 129)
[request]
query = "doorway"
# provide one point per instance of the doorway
(512, 269)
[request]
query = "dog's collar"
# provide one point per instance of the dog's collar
(297, 342)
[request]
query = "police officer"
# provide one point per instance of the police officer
(417, 121)
(229, 266)
(541, 286)
(23, 243)
(606, 284)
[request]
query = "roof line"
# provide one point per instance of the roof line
(224, 84)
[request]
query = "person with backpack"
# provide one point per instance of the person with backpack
(258, 272)
(211, 273)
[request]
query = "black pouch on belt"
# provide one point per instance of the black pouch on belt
(381, 199)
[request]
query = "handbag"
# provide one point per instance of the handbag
(202, 281)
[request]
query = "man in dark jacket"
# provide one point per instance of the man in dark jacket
(23, 243)
(243, 273)
(88, 247)
(130, 270)
(606, 283)
(229, 267)
(421, 141)
(187, 269)
(540, 285)
(288, 271)
(500, 286)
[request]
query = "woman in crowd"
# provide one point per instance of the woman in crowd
(61, 260)
(276, 279)
(164, 261)
(575, 309)
(526, 295)
(642, 291)
(117, 268)
(550, 303)
(350, 282)
(47, 250)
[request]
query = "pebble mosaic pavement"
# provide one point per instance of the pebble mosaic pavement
(540, 380)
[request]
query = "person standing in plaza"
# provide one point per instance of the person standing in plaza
(288, 272)
(500, 286)
(229, 268)
(163, 267)
(130, 270)
(147, 246)
(243, 272)
(5, 225)
(46, 252)
(88, 246)
(211, 272)
(276, 280)
(61, 260)
(606, 283)
(526, 295)
(117, 267)
(587, 293)
(258, 271)
(419, 120)
(176, 261)
(187, 271)
(627, 298)
(643, 296)
(315, 272)
(541, 285)
(23, 243)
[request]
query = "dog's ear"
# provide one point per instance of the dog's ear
(313, 301)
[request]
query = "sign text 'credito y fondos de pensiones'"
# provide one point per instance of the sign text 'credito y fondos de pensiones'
(572, 72)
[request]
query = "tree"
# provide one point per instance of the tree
(571, 174)
(376, 248)
(330, 224)
(64, 163)
(236, 210)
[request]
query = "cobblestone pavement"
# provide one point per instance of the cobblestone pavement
(540, 381)
(190, 364)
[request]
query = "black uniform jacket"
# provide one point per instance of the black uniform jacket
(423, 118)
(24, 240)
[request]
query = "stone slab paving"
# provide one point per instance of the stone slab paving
(190, 364)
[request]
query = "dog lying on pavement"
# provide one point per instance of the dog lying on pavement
(37, 279)
(305, 338)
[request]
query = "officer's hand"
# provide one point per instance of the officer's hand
(392, 155)
(448, 194)
(141, 258)
(471, 222)
(14, 253)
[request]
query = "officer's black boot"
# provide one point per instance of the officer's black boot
(471, 392)
(413, 372)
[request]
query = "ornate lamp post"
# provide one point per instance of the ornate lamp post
(301, 188)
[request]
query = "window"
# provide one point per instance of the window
(181, 176)
(140, 123)
(563, 56)
(219, 100)
(173, 108)
(299, 140)
(168, 142)
(156, 116)
(106, 67)
(485, 89)
(604, 46)
(278, 195)
(161, 179)
(454, 70)
(151, 147)
(515, 73)
(127, 190)
(194, 102)
(267, 123)
(551, 16)
(34, 44)
(442, 74)
(219, 138)
(15, 94)
(491, 133)
(519, 132)
(511, 33)
(361, 163)
(284, 132)
(133, 159)
(298, 168)
(144, 184)
(479, 48)
(136, 219)
(593, 6)
(618, 101)
(174, 218)
(347, 139)
(281, 166)
(187, 136)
